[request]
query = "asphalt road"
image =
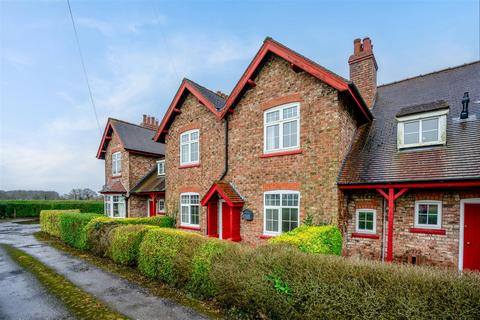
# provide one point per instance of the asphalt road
(22, 297)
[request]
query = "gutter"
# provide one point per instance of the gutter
(225, 167)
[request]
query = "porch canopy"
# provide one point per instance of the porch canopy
(223, 211)
(151, 185)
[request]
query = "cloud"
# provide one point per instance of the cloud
(111, 28)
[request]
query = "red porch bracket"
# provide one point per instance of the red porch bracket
(391, 197)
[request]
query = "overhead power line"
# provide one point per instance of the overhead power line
(82, 60)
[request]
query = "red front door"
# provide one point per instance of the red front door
(471, 240)
(151, 208)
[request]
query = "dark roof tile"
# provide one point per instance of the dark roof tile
(137, 138)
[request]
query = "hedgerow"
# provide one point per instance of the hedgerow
(166, 254)
(125, 243)
(73, 228)
(50, 220)
(313, 239)
(279, 281)
(32, 208)
(99, 229)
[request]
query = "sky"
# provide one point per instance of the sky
(137, 52)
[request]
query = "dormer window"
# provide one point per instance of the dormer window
(422, 129)
(161, 167)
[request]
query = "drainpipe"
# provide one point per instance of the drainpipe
(225, 168)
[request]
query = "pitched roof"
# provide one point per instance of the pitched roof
(208, 98)
(226, 192)
(298, 62)
(114, 187)
(133, 138)
(151, 182)
(374, 157)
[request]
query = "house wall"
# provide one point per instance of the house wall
(114, 146)
(199, 179)
(439, 250)
(326, 131)
(134, 167)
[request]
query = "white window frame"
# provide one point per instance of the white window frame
(157, 205)
(265, 207)
(161, 167)
(442, 128)
(109, 204)
(357, 220)
(280, 124)
(189, 143)
(116, 164)
(189, 205)
(439, 217)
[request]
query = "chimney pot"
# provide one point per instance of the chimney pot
(357, 46)
(367, 45)
(144, 118)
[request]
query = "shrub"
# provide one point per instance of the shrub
(209, 252)
(32, 208)
(166, 254)
(50, 221)
(125, 243)
(313, 239)
(73, 228)
(280, 282)
(99, 229)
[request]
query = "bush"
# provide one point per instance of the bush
(73, 229)
(125, 243)
(32, 208)
(166, 254)
(280, 282)
(210, 252)
(50, 220)
(313, 239)
(99, 229)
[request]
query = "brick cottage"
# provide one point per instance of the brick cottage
(134, 163)
(397, 166)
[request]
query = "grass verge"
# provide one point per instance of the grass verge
(80, 303)
(132, 275)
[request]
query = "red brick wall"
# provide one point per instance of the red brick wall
(197, 179)
(440, 250)
(134, 167)
(326, 130)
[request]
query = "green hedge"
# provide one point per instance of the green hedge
(125, 243)
(73, 228)
(279, 281)
(99, 229)
(313, 239)
(50, 220)
(166, 254)
(32, 208)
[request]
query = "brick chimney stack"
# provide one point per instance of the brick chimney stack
(149, 122)
(223, 95)
(363, 69)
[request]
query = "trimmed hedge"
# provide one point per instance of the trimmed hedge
(125, 243)
(166, 254)
(313, 239)
(50, 220)
(32, 208)
(99, 229)
(279, 281)
(73, 228)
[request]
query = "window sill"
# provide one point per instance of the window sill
(117, 176)
(281, 153)
(189, 228)
(266, 236)
(428, 231)
(189, 166)
(365, 236)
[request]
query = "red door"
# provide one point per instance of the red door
(151, 208)
(471, 240)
